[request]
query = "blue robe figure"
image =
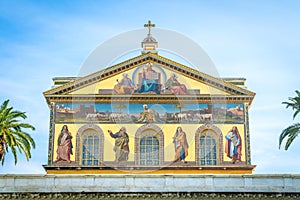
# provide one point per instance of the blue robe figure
(149, 85)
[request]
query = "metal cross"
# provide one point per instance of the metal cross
(149, 26)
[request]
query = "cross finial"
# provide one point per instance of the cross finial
(149, 26)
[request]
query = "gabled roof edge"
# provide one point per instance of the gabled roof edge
(120, 67)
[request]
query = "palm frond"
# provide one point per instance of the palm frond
(3, 160)
(294, 103)
(4, 105)
(16, 114)
(12, 132)
(13, 150)
(289, 141)
(7, 140)
(298, 93)
(18, 147)
(25, 125)
(290, 133)
(296, 113)
(26, 150)
(5, 114)
(26, 139)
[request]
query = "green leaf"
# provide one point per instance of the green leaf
(4, 105)
(294, 103)
(296, 113)
(12, 132)
(13, 150)
(289, 141)
(290, 133)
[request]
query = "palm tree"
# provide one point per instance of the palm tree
(12, 135)
(292, 131)
(120, 106)
(179, 106)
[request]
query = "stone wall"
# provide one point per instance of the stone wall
(150, 196)
(265, 183)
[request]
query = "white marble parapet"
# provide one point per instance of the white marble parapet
(254, 183)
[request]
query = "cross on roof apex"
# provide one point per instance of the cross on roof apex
(149, 26)
(149, 44)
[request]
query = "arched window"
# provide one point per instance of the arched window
(89, 146)
(208, 150)
(149, 149)
(209, 145)
(149, 146)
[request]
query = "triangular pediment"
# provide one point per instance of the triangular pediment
(149, 74)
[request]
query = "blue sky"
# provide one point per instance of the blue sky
(252, 39)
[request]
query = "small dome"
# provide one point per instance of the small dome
(149, 38)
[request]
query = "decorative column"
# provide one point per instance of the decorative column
(247, 135)
(51, 133)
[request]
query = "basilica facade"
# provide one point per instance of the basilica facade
(149, 114)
